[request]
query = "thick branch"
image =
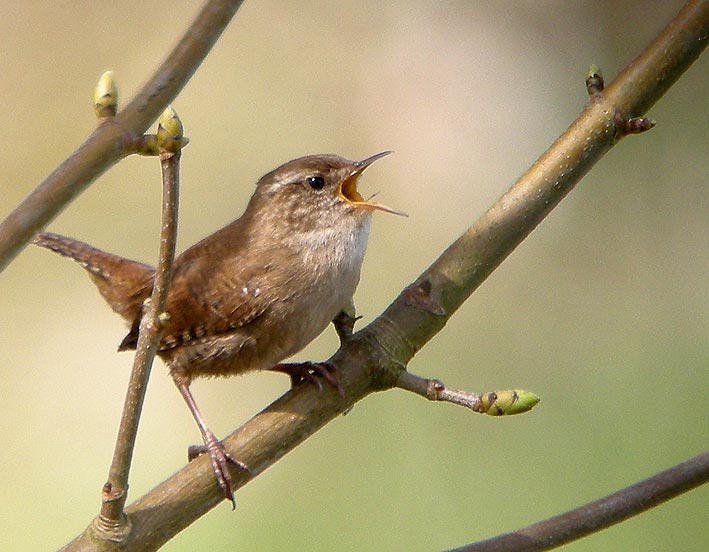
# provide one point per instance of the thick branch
(374, 357)
(602, 513)
(410, 321)
(111, 142)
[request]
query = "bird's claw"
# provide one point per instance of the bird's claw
(311, 372)
(219, 458)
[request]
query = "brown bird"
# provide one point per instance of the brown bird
(255, 292)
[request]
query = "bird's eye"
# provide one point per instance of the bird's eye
(316, 182)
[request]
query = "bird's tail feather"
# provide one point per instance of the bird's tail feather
(123, 283)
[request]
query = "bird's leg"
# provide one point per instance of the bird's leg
(217, 454)
(344, 324)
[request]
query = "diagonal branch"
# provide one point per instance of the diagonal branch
(109, 143)
(471, 258)
(373, 358)
(599, 514)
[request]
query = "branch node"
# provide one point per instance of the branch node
(424, 296)
(105, 529)
(434, 389)
(625, 125)
(146, 145)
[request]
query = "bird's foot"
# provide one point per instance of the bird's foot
(220, 459)
(311, 372)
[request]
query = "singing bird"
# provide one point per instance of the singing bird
(256, 291)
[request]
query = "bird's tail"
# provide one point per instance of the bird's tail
(123, 283)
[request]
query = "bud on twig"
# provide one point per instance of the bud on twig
(106, 96)
(170, 132)
(594, 81)
(507, 403)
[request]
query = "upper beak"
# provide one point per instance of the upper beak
(348, 188)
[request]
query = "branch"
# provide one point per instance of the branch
(111, 524)
(109, 143)
(602, 513)
(373, 358)
(403, 329)
(492, 403)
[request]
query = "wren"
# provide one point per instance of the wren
(256, 291)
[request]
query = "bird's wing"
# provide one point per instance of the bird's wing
(214, 297)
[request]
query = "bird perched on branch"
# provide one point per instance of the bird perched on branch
(255, 292)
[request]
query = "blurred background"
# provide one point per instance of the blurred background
(602, 311)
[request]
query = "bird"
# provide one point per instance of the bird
(255, 292)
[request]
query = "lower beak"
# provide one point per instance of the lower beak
(348, 188)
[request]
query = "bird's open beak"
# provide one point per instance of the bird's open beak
(348, 188)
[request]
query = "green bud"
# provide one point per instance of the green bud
(508, 402)
(106, 96)
(170, 131)
(594, 71)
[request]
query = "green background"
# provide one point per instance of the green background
(602, 311)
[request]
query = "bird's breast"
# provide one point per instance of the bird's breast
(331, 260)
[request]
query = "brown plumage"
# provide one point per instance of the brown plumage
(258, 290)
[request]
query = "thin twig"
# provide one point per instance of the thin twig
(111, 520)
(435, 390)
(492, 403)
(109, 143)
(602, 513)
